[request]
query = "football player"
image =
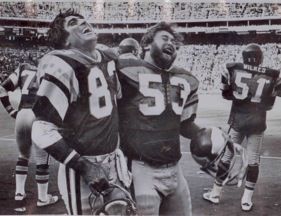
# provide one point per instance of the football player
(250, 87)
(24, 78)
(159, 104)
(129, 48)
(76, 113)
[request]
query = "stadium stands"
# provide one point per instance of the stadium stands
(203, 58)
(140, 10)
(204, 61)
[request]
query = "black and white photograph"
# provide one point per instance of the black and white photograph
(139, 107)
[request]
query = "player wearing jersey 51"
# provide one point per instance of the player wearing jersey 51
(77, 119)
(250, 87)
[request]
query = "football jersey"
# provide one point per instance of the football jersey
(250, 88)
(78, 94)
(24, 78)
(154, 104)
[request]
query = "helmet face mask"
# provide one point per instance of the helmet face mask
(209, 159)
(119, 207)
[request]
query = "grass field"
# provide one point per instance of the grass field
(212, 111)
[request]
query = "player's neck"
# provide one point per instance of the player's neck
(151, 61)
(92, 55)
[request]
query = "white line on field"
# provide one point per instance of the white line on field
(6, 136)
(7, 139)
(263, 157)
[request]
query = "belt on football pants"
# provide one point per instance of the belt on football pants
(157, 165)
(106, 158)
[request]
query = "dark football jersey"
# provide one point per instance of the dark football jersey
(153, 105)
(250, 88)
(23, 78)
(79, 96)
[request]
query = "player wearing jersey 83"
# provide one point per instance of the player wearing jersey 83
(77, 119)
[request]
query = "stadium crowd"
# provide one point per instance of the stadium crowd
(140, 10)
(10, 58)
(206, 62)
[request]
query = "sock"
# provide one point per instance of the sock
(42, 179)
(251, 180)
(217, 188)
(247, 196)
(21, 175)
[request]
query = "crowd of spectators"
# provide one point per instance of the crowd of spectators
(206, 62)
(140, 10)
(10, 58)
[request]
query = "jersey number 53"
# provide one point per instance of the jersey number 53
(159, 96)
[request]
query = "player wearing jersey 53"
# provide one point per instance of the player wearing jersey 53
(250, 87)
(24, 78)
(159, 104)
(77, 119)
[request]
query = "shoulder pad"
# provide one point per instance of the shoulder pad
(179, 70)
(26, 66)
(130, 62)
(192, 80)
(108, 54)
(232, 65)
(273, 72)
(54, 65)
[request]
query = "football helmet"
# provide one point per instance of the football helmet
(122, 206)
(252, 55)
(208, 148)
(129, 45)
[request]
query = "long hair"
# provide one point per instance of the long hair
(57, 35)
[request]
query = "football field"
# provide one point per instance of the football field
(213, 110)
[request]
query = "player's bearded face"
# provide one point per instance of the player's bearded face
(81, 33)
(163, 49)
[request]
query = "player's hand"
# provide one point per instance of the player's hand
(93, 174)
(14, 114)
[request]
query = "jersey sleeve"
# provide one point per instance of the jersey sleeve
(191, 103)
(57, 89)
(225, 82)
(10, 84)
(277, 87)
(46, 136)
(4, 98)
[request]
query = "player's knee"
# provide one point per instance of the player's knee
(42, 167)
(254, 159)
(36, 131)
(147, 204)
(24, 154)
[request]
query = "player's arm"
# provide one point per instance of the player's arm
(226, 89)
(189, 128)
(9, 84)
(277, 88)
(55, 93)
